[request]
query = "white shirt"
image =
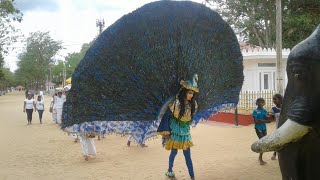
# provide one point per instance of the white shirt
(40, 105)
(29, 103)
(58, 101)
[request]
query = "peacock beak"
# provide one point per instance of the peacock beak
(289, 132)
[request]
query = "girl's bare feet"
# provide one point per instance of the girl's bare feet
(262, 162)
(143, 145)
(86, 158)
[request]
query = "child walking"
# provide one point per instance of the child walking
(275, 111)
(40, 107)
(175, 126)
(260, 115)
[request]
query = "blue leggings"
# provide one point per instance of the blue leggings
(187, 156)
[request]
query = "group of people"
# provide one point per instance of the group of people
(30, 105)
(174, 126)
(56, 106)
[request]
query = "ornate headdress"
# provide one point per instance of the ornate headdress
(191, 85)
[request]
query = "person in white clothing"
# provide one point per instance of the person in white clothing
(54, 114)
(41, 94)
(87, 145)
(40, 107)
(28, 106)
(58, 105)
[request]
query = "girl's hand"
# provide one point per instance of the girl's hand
(167, 136)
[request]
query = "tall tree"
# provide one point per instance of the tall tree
(257, 19)
(300, 20)
(7, 80)
(8, 33)
(40, 51)
(71, 62)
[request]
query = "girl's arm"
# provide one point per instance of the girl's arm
(259, 121)
(164, 126)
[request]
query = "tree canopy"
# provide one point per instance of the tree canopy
(257, 19)
(8, 33)
(39, 53)
(71, 62)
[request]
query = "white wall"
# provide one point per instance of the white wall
(253, 81)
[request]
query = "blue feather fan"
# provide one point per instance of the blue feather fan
(137, 63)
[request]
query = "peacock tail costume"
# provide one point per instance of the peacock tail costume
(175, 125)
(135, 66)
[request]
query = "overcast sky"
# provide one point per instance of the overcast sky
(71, 21)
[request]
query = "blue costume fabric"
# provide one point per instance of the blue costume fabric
(136, 64)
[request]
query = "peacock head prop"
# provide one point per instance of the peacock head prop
(137, 64)
(191, 85)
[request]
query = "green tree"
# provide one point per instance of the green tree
(8, 33)
(71, 62)
(7, 80)
(40, 51)
(300, 18)
(257, 19)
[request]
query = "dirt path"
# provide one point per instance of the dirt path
(45, 152)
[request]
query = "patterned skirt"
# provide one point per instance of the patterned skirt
(180, 137)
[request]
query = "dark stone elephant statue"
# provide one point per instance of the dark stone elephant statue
(297, 138)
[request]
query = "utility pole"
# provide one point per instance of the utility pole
(280, 75)
(100, 24)
(50, 75)
(64, 75)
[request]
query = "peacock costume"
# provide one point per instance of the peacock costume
(178, 126)
(134, 68)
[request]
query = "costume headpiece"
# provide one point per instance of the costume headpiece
(191, 85)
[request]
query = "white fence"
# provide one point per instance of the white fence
(247, 100)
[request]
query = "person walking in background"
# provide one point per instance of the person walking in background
(26, 93)
(275, 113)
(41, 94)
(58, 105)
(28, 106)
(54, 114)
(40, 107)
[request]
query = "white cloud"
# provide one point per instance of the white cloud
(72, 21)
(37, 5)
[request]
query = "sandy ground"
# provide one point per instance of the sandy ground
(45, 152)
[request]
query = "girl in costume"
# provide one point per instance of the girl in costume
(175, 125)
(135, 66)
